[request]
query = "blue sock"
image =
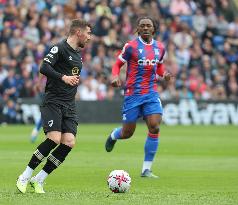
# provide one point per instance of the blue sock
(151, 146)
(38, 125)
(116, 133)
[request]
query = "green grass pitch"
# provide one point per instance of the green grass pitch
(197, 165)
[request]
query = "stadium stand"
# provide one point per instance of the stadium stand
(201, 38)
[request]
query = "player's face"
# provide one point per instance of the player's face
(84, 36)
(146, 29)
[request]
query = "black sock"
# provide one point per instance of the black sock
(41, 152)
(56, 158)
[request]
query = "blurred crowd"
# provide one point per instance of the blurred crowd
(201, 39)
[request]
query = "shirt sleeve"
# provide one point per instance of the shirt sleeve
(47, 66)
(160, 70)
(52, 56)
(116, 67)
(47, 70)
(125, 53)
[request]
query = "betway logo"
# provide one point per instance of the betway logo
(189, 112)
(145, 61)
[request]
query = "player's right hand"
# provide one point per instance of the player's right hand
(167, 76)
(116, 82)
(71, 80)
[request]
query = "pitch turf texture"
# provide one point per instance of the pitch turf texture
(196, 165)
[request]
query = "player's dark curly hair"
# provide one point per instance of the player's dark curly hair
(146, 17)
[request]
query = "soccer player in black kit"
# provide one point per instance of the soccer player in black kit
(61, 66)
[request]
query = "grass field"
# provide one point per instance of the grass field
(197, 165)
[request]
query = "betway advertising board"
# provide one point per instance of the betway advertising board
(188, 112)
(183, 112)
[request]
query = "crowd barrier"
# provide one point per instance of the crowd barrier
(183, 112)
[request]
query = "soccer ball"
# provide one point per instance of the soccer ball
(119, 181)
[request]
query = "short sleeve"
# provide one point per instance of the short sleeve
(125, 53)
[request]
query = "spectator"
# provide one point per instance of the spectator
(10, 112)
(31, 33)
(3, 74)
(183, 38)
(102, 9)
(10, 85)
(179, 7)
(199, 35)
(88, 89)
(225, 8)
(199, 22)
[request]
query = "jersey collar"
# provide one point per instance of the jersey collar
(68, 46)
(142, 41)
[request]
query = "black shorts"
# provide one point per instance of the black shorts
(59, 118)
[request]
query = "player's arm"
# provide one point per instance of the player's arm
(47, 68)
(50, 72)
(116, 82)
(122, 58)
(161, 73)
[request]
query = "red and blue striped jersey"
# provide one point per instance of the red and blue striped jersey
(142, 60)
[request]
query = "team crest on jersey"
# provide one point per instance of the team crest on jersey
(75, 71)
(156, 51)
(50, 123)
(54, 49)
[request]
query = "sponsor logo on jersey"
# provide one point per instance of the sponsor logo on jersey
(47, 60)
(54, 49)
(50, 55)
(140, 50)
(75, 71)
(145, 61)
(70, 58)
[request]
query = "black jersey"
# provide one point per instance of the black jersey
(67, 61)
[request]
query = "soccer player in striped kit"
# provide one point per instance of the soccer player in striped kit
(144, 58)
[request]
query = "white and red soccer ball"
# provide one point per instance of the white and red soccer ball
(119, 181)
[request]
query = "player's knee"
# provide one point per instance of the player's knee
(68, 139)
(69, 142)
(154, 129)
(127, 134)
(54, 136)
